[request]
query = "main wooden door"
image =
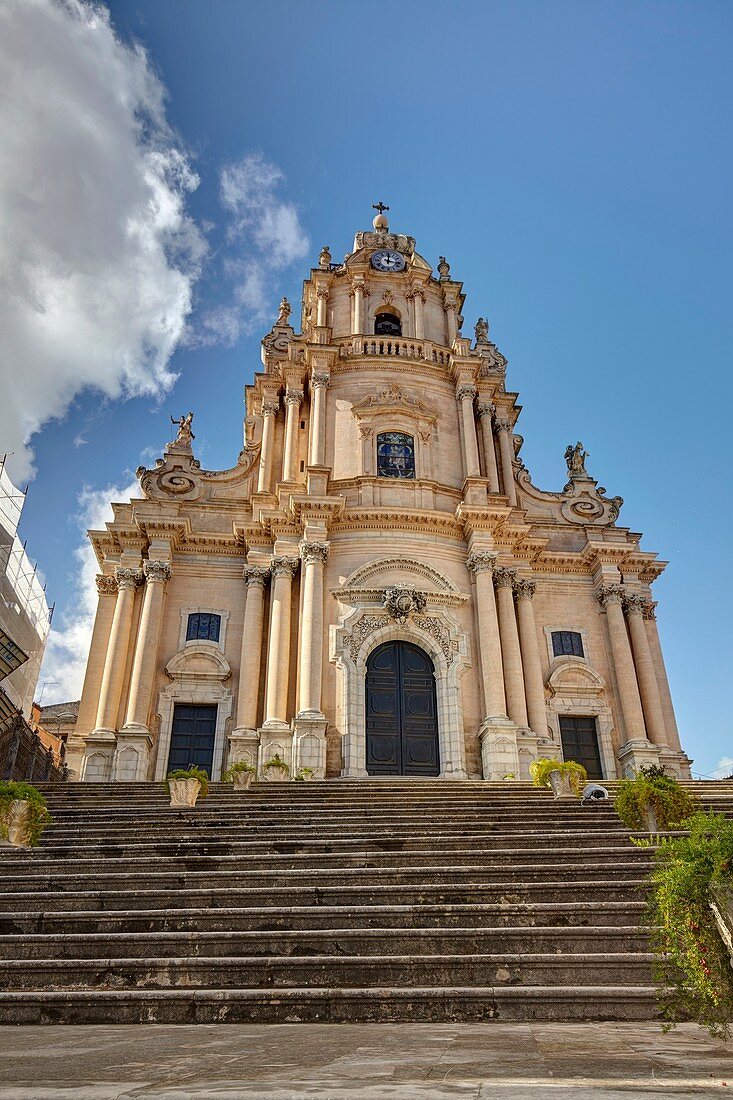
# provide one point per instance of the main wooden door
(401, 712)
(580, 743)
(192, 737)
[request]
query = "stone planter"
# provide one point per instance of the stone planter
(276, 775)
(561, 786)
(241, 780)
(183, 792)
(18, 821)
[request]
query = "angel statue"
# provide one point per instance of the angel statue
(185, 435)
(575, 458)
(283, 315)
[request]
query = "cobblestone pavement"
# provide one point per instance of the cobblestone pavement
(362, 1062)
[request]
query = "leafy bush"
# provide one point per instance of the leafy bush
(277, 761)
(540, 772)
(303, 775)
(189, 773)
(240, 766)
(693, 968)
(653, 789)
(24, 792)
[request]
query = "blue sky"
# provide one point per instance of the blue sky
(573, 162)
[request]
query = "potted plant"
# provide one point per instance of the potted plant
(304, 775)
(23, 814)
(653, 800)
(276, 769)
(185, 784)
(564, 777)
(240, 774)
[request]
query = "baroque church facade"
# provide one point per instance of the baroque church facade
(376, 587)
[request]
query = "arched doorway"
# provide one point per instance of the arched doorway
(401, 712)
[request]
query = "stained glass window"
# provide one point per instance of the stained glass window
(567, 643)
(395, 455)
(203, 627)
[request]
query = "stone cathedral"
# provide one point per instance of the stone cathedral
(376, 587)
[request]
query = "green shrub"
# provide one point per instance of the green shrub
(240, 766)
(653, 789)
(540, 772)
(303, 775)
(277, 761)
(24, 792)
(189, 773)
(693, 967)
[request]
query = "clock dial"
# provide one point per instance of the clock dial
(387, 260)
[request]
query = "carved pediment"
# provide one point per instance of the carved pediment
(200, 661)
(386, 572)
(574, 677)
(392, 399)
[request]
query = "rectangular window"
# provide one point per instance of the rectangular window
(567, 643)
(203, 627)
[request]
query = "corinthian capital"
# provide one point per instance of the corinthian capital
(649, 611)
(322, 292)
(318, 379)
(481, 561)
(284, 567)
(634, 603)
(256, 575)
(106, 586)
(293, 397)
(504, 576)
(128, 578)
(313, 552)
(466, 392)
(525, 589)
(485, 408)
(270, 406)
(502, 424)
(610, 594)
(157, 570)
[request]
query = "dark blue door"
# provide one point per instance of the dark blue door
(401, 712)
(192, 738)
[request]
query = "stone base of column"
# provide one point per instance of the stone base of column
(244, 745)
(309, 743)
(99, 751)
(499, 751)
(675, 763)
(636, 754)
(527, 751)
(275, 738)
(74, 758)
(132, 754)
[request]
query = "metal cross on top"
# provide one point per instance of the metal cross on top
(379, 207)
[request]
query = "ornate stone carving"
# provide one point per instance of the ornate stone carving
(466, 392)
(106, 586)
(634, 603)
(256, 575)
(525, 589)
(481, 561)
(575, 458)
(128, 578)
(294, 397)
(388, 297)
(313, 552)
(283, 566)
(440, 632)
(403, 600)
(157, 570)
(366, 626)
(502, 424)
(270, 406)
(322, 293)
(481, 329)
(319, 379)
(443, 269)
(324, 260)
(185, 435)
(485, 408)
(584, 502)
(283, 313)
(504, 576)
(649, 610)
(611, 593)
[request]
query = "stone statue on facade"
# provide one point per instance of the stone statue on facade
(324, 260)
(575, 458)
(482, 331)
(185, 435)
(443, 268)
(284, 313)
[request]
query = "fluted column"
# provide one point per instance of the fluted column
(534, 684)
(317, 442)
(144, 662)
(465, 396)
(313, 555)
(321, 317)
(419, 314)
(504, 432)
(278, 650)
(645, 674)
(655, 646)
(486, 415)
(293, 400)
(612, 597)
(481, 564)
(250, 660)
(269, 412)
(119, 640)
(504, 579)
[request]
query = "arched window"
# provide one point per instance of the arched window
(395, 455)
(387, 324)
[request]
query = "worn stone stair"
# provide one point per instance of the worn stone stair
(377, 900)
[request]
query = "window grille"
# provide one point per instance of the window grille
(395, 455)
(203, 627)
(567, 643)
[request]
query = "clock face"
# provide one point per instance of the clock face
(386, 260)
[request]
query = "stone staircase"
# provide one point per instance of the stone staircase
(375, 900)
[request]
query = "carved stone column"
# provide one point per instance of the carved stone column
(144, 663)
(293, 399)
(357, 316)
(481, 564)
(119, 640)
(278, 651)
(612, 597)
(648, 687)
(317, 447)
(313, 556)
(504, 432)
(321, 317)
(465, 396)
(486, 415)
(250, 660)
(655, 647)
(534, 685)
(77, 744)
(504, 579)
(450, 322)
(419, 313)
(269, 412)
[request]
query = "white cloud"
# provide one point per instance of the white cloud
(268, 231)
(98, 256)
(724, 768)
(67, 648)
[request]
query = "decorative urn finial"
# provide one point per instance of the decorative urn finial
(324, 260)
(443, 269)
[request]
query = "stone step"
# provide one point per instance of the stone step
(327, 1005)
(324, 941)
(493, 915)
(234, 972)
